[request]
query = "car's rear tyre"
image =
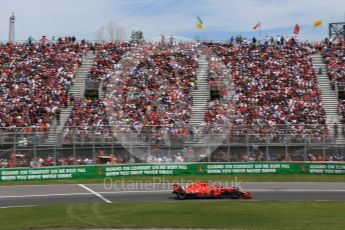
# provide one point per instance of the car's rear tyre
(181, 195)
(235, 194)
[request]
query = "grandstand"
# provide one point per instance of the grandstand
(69, 102)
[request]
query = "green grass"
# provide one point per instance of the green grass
(241, 177)
(215, 214)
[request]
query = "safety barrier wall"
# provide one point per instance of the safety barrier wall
(102, 171)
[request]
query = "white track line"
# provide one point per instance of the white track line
(79, 193)
(23, 206)
(95, 193)
(45, 195)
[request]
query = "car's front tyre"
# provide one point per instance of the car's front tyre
(235, 194)
(181, 195)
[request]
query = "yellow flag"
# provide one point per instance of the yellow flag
(317, 23)
(199, 23)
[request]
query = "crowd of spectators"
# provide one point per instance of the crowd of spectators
(108, 54)
(87, 121)
(89, 116)
(148, 92)
(152, 93)
(34, 79)
(218, 116)
(334, 56)
(276, 90)
(219, 111)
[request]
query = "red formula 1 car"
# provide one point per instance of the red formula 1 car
(198, 190)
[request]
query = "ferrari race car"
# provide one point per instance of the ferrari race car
(205, 190)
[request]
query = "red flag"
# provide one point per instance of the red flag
(257, 25)
(297, 29)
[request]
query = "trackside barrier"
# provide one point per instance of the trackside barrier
(102, 171)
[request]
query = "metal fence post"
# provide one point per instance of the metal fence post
(324, 150)
(169, 150)
(305, 151)
(247, 143)
(148, 138)
(93, 147)
(209, 149)
(267, 148)
(74, 146)
(229, 154)
(112, 145)
(15, 148)
(131, 144)
(55, 155)
(286, 145)
(35, 146)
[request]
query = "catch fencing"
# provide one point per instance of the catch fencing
(199, 144)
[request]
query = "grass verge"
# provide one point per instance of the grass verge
(221, 214)
(163, 179)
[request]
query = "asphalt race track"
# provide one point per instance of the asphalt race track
(32, 195)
